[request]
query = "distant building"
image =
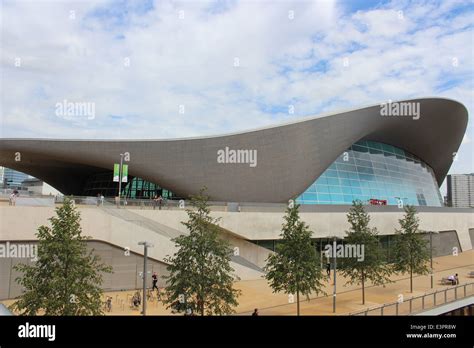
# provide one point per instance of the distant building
(461, 190)
(23, 183)
(37, 187)
(12, 179)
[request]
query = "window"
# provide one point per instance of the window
(382, 170)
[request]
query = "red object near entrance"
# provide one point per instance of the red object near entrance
(374, 201)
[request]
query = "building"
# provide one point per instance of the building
(13, 179)
(322, 162)
(461, 190)
(365, 154)
(34, 186)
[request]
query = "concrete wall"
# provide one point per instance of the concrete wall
(126, 270)
(21, 223)
(444, 243)
(267, 225)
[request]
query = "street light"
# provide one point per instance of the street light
(146, 245)
(431, 257)
(120, 177)
(334, 245)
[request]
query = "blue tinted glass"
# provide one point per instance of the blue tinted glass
(337, 198)
(322, 188)
(324, 197)
(335, 189)
(382, 172)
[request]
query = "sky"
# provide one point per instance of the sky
(169, 69)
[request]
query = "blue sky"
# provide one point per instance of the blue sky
(229, 65)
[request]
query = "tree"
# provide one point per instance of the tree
(295, 266)
(66, 278)
(411, 250)
(372, 266)
(201, 278)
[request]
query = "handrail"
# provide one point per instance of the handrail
(411, 299)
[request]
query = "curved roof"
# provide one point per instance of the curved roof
(290, 156)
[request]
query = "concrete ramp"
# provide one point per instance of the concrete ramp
(244, 268)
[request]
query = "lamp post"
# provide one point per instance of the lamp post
(146, 245)
(120, 177)
(431, 257)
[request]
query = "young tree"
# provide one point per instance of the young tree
(65, 279)
(411, 250)
(295, 267)
(201, 278)
(372, 266)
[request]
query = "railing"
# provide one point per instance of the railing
(420, 303)
(177, 203)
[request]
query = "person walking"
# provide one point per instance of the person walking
(328, 269)
(160, 202)
(154, 278)
(255, 312)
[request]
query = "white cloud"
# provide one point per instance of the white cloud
(190, 62)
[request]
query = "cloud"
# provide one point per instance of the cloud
(231, 65)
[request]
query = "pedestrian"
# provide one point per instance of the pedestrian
(456, 279)
(155, 200)
(328, 269)
(255, 312)
(154, 278)
(102, 199)
(160, 202)
(98, 199)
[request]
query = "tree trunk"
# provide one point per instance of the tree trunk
(298, 302)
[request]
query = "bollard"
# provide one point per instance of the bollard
(411, 305)
(396, 308)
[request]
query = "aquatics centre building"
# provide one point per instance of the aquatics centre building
(386, 154)
(332, 159)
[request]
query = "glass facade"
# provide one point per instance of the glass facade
(102, 183)
(13, 179)
(386, 243)
(371, 170)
